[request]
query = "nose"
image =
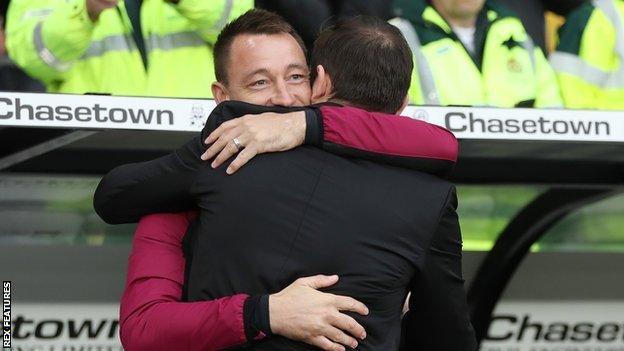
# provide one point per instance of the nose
(282, 96)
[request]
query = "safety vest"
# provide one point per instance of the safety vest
(589, 60)
(506, 71)
(56, 42)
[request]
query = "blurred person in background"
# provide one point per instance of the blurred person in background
(309, 17)
(589, 59)
(11, 77)
(531, 12)
(131, 47)
(474, 52)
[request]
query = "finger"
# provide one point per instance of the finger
(228, 151)
(224, 127)
(221, 143)
(345, 303)
(326, 344)
(348, 324)
(241, 159)
(338, 336)
(215, 148)
(319, 281)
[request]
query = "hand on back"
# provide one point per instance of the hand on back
(301, 312)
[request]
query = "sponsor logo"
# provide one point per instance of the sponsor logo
(198, 116)
(15, 109)
(468, 122)
(65, 327)
(420, 114)
(524, 328)
(70, 328)
(514, 66)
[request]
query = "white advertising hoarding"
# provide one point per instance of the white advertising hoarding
(557, 326)
(517, 326)
(65, 327)
(141, 113)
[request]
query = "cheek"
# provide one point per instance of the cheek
(303, 94)
(258, 98)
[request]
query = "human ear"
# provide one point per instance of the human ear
(322, 86)
(220, 92)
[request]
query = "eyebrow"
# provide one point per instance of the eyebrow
(297, 66)
(258, 71)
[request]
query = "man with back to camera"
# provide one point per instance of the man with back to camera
(400, 226)
(464, 336)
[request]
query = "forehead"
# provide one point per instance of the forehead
(250, 52)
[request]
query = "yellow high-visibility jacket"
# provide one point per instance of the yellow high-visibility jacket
(589, 60)
(56, 42)
(506, 70)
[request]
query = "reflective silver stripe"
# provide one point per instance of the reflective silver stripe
(174, 41)
(225, 16)
(124, 42)
(45, 54)
(427, 84)
(119, 42)
(529, 46)
(564, 62)
(36, 13)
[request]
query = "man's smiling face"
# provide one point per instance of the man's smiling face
(266, 69)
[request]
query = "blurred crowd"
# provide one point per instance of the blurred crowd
(466, 52)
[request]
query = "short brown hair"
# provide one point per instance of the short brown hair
(254, 21)
(368, 60)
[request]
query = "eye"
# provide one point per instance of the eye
(259, 83)
(298, 77)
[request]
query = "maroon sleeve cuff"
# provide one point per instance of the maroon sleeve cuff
(256, 317)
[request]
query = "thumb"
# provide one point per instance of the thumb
(319, 281)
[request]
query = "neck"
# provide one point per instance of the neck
(462, 22)
(340, 102)
(454, 19)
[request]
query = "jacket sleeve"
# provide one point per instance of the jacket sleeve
(131, 191)
(210, 17)
(438, 318)
(353, 132)
(44, 37)
(151, 314)
(396, 140)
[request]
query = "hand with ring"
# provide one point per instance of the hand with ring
(250, 135)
